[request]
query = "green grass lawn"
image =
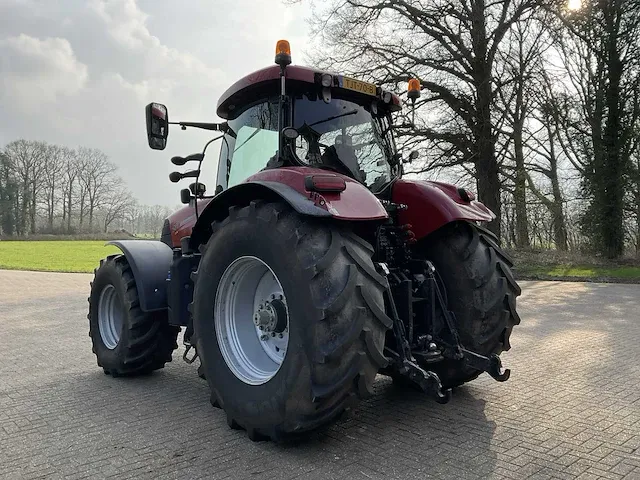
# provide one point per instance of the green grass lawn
(580, 271)
(54, 256)
(85, 255)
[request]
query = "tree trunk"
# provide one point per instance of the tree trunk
(487, 171)
(32, 212)
(81, 213)
(51, 207)
(69, 199)
(613, 194)
(638, 217)
(24, 214)
(520, 193)
(559, 226)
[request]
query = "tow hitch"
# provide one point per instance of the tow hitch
(433, 348)
(403, 361)
(492, 365)
(428, 381)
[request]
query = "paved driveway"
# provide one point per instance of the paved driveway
(571, 408)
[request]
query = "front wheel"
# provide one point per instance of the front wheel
(481, 290)
(288, 319)
(126, 340)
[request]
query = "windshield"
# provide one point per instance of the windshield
(346, 137)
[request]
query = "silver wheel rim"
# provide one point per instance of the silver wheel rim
(109, 317)
(251, 320)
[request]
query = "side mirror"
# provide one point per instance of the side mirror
(185, 196)
(157, 125)
(412, 156)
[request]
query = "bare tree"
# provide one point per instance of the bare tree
(8, 194)
(452, 47)
(28, 159)
(519, 58)
(95, 177)
(69, 177)
(117, 203)
(546, 156)
(51, 181)
(600, 54)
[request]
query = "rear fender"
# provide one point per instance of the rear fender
(431, 205)
(355, 203)
(150, 261)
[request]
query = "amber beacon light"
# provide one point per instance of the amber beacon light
(413, 89)
(283, 53)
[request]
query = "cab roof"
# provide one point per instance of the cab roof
(247, 88)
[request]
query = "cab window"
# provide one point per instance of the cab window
(252, 142)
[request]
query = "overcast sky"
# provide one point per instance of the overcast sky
(80, 72)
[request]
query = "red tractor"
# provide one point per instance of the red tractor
(313, 267)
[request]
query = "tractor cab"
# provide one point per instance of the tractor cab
(331, 122)
(295, 116)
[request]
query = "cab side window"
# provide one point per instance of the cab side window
(255, 142)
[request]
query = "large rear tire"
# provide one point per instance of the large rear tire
(126, 340)
(481, 290)
(321, 294)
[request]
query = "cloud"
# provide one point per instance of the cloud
(38, 71)
(80, 72)
(125, 23)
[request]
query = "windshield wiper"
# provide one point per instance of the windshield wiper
(328, 119)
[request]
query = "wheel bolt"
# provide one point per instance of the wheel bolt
(280, 335)
(264, 338)
(273, 334)
(432, 346)
(261, 327)
(273, 297)
(280, 297)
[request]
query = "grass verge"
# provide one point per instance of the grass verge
(84, 255)
(552, 265)
(79, 256)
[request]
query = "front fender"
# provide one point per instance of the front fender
(432, 205)
(355, 203)
(150, 261)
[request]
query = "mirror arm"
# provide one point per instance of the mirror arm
(218, 127)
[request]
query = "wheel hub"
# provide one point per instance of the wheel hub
(271, 317)
(249, 292)
(110, 317)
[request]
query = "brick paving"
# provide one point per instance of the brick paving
(570, 410)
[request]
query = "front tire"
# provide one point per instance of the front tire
(481, 290)
(126, 340)
(334, 321)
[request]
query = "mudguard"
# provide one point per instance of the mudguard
(150, 261)
(431, 205)
(355, 203)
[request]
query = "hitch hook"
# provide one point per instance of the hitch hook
(186, 351)
(496, 370)
(441, 395)
(491, 364)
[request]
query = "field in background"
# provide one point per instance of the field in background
(54, 256)
(553, 265)
(85, 255)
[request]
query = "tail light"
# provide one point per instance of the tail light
(324, 183)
